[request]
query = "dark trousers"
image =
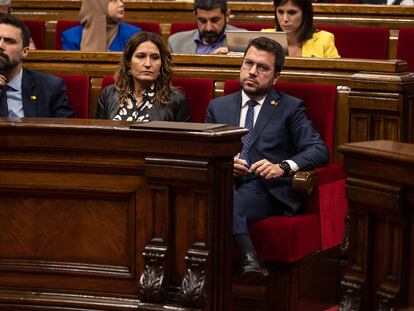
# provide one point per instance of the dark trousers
(252, 202)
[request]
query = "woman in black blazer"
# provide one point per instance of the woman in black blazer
(142, 90)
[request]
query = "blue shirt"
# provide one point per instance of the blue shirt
(14, 96)
(71, 38)
(205, 48)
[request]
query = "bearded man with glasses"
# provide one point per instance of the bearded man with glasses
(281, 140)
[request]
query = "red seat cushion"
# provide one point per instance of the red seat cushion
(178, 27)
(78, 89)
(37, 32)
(360, 42)
(286, 239)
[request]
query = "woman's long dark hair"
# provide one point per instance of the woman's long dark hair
(124, 80)
(307, 28)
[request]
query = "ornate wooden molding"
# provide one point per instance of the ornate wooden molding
(351, 298)
(151, 280)
(193, 288)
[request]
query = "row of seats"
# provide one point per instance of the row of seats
(352, 42)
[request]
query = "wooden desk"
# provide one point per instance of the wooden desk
(380, 190)
(96, 215)
(374, 99)
(392, 17)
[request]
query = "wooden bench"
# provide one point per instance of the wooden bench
(392, 17)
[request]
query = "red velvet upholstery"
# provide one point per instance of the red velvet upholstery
(360, 42)
(178, 27)
(78, 88)
(405, 47)
(199, 92)
(288, 239)
(63, 25)
(37, 32)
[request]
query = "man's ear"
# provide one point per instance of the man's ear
(228, 13)
(25, 52)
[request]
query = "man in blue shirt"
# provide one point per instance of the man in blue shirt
(26, 93)
(210, 35)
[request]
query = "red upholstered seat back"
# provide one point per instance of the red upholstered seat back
(319, 100)
(253, 27)
(405, 47)
(63, 25)
(178, 27)
(360, 42)
(37, 30)
(78, 88)
(199, 92)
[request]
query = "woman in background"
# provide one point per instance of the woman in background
(142, 89)
(295, 17)
(101, 27)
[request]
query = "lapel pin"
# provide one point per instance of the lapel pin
(33, 97)
(274, 103)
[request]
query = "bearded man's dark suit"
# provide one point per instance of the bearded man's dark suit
(43, 95)
(281, 132)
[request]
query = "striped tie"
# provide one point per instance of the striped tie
(249, 125)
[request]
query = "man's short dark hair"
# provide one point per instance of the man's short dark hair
(11, 20)
(271, 46)
(209, 5)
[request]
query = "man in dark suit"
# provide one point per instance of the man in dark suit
(281, 141)
(26, 93)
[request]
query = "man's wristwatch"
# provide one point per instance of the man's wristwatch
(286, 168)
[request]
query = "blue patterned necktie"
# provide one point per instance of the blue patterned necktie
(249, 125)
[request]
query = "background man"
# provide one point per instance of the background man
(210, 36)
(281, 140)
(26, 93)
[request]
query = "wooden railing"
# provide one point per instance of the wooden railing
(375, 99)
(392, 17)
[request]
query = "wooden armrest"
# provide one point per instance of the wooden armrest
(305, 181)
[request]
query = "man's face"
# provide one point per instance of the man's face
(210, 24)
(11, 47)
(257, 73)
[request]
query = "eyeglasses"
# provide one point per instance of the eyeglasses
(261, 68)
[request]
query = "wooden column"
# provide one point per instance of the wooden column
(380, 190)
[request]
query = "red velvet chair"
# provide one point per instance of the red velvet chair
(37, 30)
(78, 88)
(360, 42)
(63, 25)
(178, 27)
(289, 241)
(253, 27)
(405, 47)
(199, 92)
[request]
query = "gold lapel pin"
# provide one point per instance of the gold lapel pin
(274, 103)
(33, 97)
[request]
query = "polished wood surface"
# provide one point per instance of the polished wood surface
(380, 190)
(99, 215)
(374, 99)
(166, 12)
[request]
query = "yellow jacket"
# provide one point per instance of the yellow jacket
(322, 44)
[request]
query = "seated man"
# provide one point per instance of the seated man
(210, 36)
(281, 140)
(25, 93)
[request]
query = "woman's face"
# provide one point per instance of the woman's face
(146, 62)
(289, 17)
(116, 10)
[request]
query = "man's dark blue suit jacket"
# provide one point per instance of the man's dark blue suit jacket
(281, 132)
